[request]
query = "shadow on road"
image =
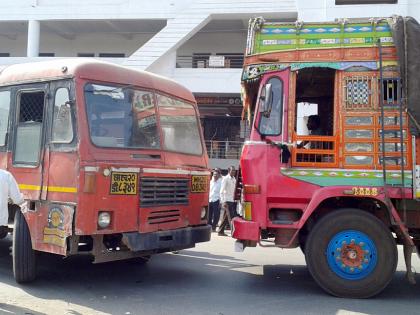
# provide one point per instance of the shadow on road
(14, 309)
(194, 282)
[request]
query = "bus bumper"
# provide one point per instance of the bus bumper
(167, 240)
(245, 230)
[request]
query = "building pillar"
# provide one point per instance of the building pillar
(33, 39)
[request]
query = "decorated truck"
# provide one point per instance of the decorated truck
(111, 162)
(332, 164)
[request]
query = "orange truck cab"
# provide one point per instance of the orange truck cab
(110, 160)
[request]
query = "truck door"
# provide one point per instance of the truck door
(271, 115)
(28, 134)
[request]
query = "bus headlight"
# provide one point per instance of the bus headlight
(104, 219)
(203, 213)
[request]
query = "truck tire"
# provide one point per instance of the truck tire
(24, 260)
(351, 253)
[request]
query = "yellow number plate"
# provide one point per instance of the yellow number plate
(199, 184)
(365, 191)
(123, 183)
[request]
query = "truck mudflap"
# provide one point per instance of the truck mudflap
(245, 230)
(167, 240)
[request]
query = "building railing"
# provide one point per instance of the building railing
(224, 149)
(210, 61)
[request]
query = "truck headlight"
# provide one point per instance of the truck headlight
(203, 213)
(104, 219)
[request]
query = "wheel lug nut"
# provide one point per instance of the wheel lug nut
(338, 249)
(367, 251)
(338, 258)
(362, 244)
(343, 266)
(352, 241)
(366, 260)
(344, 242)
(351, 269)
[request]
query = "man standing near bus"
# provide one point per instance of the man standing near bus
(227, 198)
(214, 198)
(9, 189)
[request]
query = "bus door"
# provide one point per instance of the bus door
(28, 138)
(61, 165)
(5, 108)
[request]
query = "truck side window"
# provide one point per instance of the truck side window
(271, 124)
(4, 115)
(62, 128)
(29, 127)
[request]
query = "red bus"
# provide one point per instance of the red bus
(111, 161)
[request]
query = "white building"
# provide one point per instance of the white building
(199, 43)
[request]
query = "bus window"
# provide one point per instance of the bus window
(29, 127)
(4, 115)
(179, 125)
(121, 117)
(62, 131)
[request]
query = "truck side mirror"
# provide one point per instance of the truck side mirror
(266, 100)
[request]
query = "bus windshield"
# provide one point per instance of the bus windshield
(127, 117)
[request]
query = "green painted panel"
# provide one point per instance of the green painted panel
(328, 177)
(282, 37)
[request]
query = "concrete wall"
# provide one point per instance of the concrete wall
(89, 9)
(327, 10)
(223, 42)
(83, 43)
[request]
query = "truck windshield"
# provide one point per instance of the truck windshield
(121, 117)
(125, 117)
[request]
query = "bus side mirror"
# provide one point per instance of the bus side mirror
(266, 100)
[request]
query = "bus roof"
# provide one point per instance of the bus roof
(90, 69)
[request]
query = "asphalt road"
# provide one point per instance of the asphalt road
(209, 279)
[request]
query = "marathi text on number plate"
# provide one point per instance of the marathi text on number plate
(123, 183)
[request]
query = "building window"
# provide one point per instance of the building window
(85, 54)
(112, 55)
(346, 2)
(46, 54)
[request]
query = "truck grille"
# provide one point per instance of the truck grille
(156, 191)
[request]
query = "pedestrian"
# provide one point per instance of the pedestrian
(9, 189)
(214, 198)
(227, 199)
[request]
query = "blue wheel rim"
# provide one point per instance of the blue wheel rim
(351, 255)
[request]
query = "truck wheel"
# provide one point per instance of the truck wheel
(351, 253)
(24, 263)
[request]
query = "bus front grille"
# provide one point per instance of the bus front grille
(157, 191)
(165, 216)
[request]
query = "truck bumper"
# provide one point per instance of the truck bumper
(245, 230)
(167, 240)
